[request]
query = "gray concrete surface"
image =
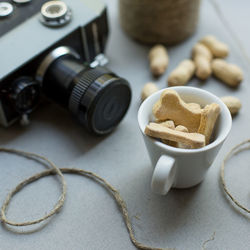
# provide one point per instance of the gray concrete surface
(90, 218)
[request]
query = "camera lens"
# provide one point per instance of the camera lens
(97, 97)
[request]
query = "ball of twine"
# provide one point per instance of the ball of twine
(159, 21)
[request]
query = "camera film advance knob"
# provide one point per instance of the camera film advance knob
(5, 9)
(55, 14)
(21, 1)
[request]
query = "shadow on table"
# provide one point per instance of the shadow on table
(172, 211)
(55, 121)
(155, 216)
(9, 134)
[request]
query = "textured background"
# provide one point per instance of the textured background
(90, 219)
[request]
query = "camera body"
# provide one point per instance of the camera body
(56, 48)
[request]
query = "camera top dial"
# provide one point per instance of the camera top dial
(5, 9)
(21, 1)
(55, 13)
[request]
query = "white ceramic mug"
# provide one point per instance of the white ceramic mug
(177, 167)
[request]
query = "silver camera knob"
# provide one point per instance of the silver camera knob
(55, 13)
(21, 1)
(5, 9)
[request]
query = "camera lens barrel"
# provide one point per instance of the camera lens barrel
(98, 98)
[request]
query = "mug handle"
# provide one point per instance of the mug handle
(164, 175)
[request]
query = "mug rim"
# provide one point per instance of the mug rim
(181, 150)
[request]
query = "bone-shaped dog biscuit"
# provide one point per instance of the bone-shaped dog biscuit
(178, 144)
(209, 116)
(172, 107)
(194, 106)
(182, 129)
(168, 124)
(195, 140)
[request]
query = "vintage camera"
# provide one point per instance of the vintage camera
(55, 48)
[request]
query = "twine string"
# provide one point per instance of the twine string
(235, 150)
(44, 161)
(55, 170)
(207, 241)
(113, 191)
